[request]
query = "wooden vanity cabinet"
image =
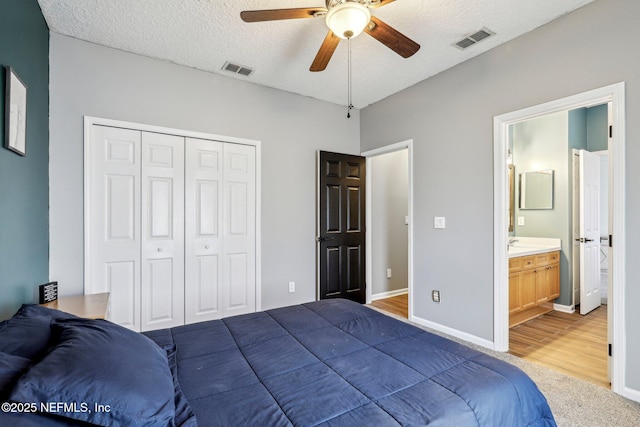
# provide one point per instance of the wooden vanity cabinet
(533, 280)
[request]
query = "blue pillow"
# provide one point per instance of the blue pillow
(33, 310)
(96, 362)
(11, 367)
(25, 336)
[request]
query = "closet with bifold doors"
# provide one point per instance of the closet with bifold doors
(170, 225)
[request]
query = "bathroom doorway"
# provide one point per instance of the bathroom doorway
(616, 258)
(558, 149)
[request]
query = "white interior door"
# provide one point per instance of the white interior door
(203, 228)
(239, 230)
(162, 262)
(590, 297)
(113, 221)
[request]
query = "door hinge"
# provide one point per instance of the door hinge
(610, 350)
(610, 131)
(610, 240)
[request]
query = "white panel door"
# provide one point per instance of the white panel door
(239, 230)
(162, 285)
(590, 297)
(203, 229)
(113, 221)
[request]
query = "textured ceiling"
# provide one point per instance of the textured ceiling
(204, 34)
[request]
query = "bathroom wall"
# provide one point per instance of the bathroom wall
(597, 128)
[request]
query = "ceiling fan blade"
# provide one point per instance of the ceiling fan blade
(392, 38)
(326, 51)
(278, 14)
(382, 3)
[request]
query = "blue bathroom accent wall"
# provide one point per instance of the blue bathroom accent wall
(24, 181)
(598, 128)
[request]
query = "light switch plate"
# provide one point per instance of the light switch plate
(435, 296)
(438, 222)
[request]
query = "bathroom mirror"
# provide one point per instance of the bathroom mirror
(536, 190)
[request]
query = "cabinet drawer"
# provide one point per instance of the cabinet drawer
(541, 260)
(553, 257)
(521, 263)
(548, 258)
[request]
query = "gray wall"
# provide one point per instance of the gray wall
(24, 181)
(542, 144)
(450, 118)
(88, 79)
(389, 207)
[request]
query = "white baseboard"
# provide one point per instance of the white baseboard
(564, 308)
(631, 394)
(454, 332)
(389, 294)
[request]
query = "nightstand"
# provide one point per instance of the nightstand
(94, 306)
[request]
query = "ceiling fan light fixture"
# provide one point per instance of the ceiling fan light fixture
(348, 20)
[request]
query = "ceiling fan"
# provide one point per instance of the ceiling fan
(346, 19)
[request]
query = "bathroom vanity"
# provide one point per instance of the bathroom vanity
(534, 278)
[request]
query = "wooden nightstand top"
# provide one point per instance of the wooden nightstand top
(94, 306)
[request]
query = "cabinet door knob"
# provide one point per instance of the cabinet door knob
(206, 246)
(159, 249)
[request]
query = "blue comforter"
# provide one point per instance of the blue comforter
(337, 363)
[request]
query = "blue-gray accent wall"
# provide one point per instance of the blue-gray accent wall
(598, 128)
(24, 181)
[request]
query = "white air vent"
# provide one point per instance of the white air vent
(473, 38)
(237, 69)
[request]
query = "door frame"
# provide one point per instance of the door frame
(615, 94)
(408, 144)
(90, 121)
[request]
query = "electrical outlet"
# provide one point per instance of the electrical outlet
(292, 286)
(435, 296)
(520, 220)
(388, 273)
(438, 222)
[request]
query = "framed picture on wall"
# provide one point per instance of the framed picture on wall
(15, 123)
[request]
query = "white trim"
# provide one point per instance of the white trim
(453, 332)
(631, 393)
(90, 121)
(408, 144)
(162, 129)
(564, 308)
(615, 94)
(389, 294)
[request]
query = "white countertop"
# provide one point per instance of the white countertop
(523, 246)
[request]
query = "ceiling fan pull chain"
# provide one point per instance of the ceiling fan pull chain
(349, 100)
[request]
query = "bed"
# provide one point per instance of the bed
(325, 363)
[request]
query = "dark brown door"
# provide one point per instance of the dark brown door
(341, 218)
